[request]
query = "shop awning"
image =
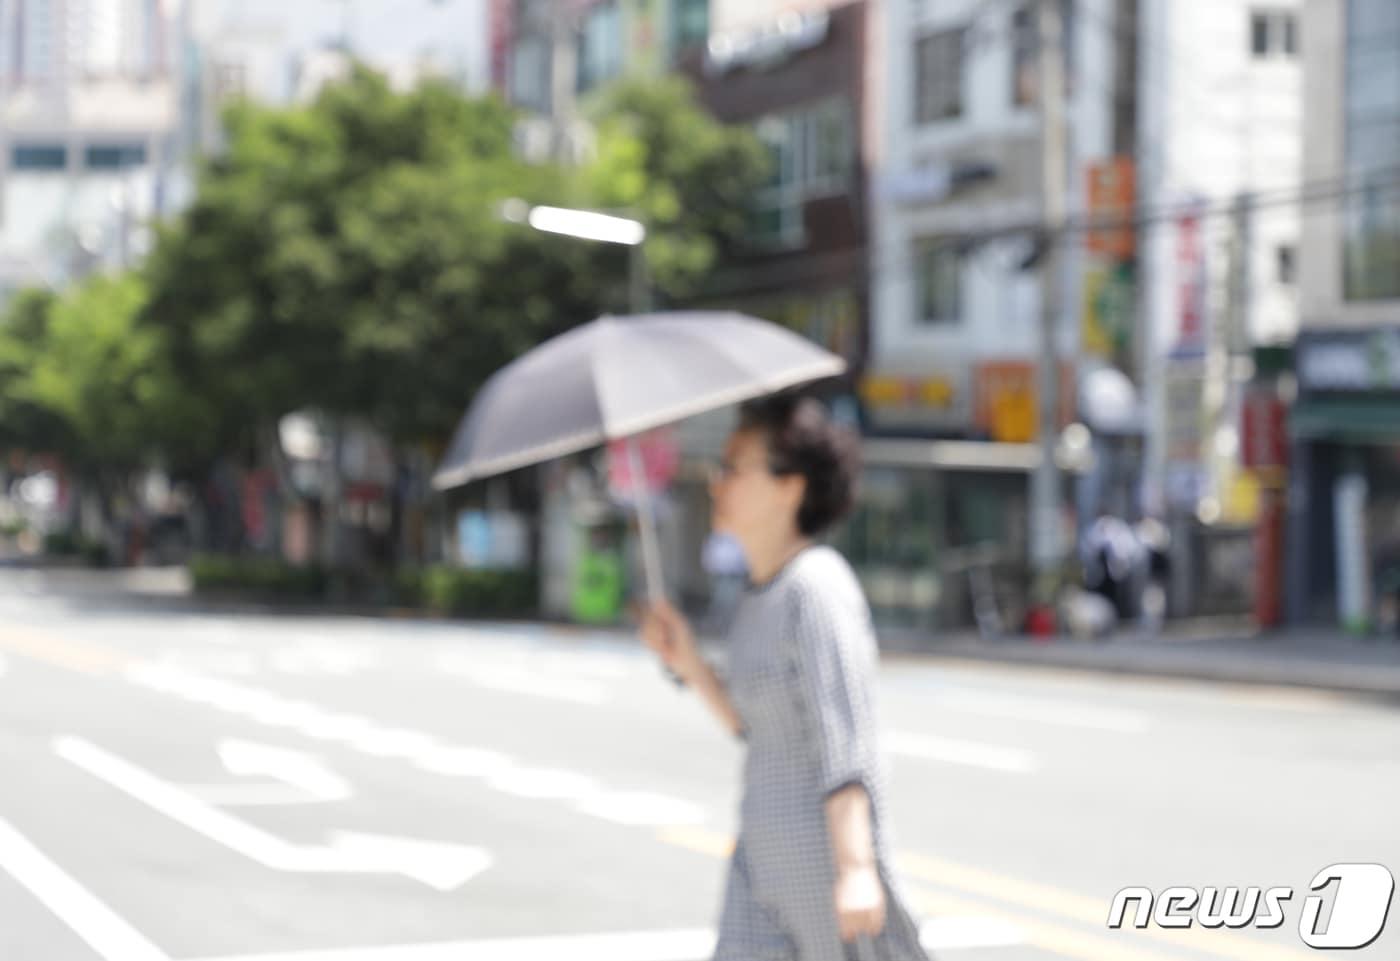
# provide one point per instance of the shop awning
(954, 455)
(1357, 419)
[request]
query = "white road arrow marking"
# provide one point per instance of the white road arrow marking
(304, 779)
(439, 865)
(98, 925)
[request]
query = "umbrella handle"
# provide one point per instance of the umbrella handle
(646, 526)
(646, 523)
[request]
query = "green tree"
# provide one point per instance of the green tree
(349, 256)
(689, 178)
(25, 424)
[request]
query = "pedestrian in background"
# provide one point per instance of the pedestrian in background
(723, 559)
(810, 877)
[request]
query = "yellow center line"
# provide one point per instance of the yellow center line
(1086, 910)
(1034, 896)
(69, 654)
(1055, 938)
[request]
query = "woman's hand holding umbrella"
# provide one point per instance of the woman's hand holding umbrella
(665, 631)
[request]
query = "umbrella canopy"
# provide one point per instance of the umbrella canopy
(619, 376)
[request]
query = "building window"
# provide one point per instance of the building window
(1273, 33)
(938, 280)
(1371, 118)
(114, 156)
(1287, 264)
(39, 157)
(690, 21)
(1025, 52)
(811, 152)
(529, 73)
(938, 75)
(600, 46)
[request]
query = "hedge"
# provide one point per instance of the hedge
(447, 590)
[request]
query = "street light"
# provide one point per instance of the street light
(608, 229)
(590, 225)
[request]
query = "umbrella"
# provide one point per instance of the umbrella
(617, 377)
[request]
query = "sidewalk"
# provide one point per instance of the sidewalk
(1212, 650)
(1315, 658)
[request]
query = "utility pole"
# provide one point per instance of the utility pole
(563, 76)
(1045, 485)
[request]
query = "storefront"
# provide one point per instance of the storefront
(1344, 493)
(940, 533)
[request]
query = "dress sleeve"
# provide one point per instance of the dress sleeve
(834, 656)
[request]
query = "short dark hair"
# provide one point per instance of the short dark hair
(802, 439)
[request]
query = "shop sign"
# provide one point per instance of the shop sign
(1108, 310)
(1008, 400)
(884, 391)
(1350, 361)
(933, 401)
(658, 455)
(1190, 283)
(768, 45)
(1110, 189)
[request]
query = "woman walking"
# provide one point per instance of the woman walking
(809, 879)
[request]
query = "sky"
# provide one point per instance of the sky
(380, 30)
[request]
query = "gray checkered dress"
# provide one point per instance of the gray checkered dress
(801, 674)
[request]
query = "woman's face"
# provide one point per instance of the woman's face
(750, 501)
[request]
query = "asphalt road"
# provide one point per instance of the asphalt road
(178, 785)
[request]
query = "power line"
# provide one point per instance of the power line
(1306, 196)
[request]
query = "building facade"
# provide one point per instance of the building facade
(1220, 156)
(88, 114)
(1344, 481)
(949, 391)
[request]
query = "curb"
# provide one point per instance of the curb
(1232, 667)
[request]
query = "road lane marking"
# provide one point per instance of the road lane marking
(541, 783)
(1083, 908)
(463, 762)
(303, 779)
(946, 750)
(72, 655)
(700, 840)
(691, 944)
(534, 684)
(1033, 896)
(499, 771)
(439, 865)
(394, 742)
(642, 809)
(109, 935)
(1040, 710)
(1055, 938)
(685, 944)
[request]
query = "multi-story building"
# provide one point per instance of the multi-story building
(1220, 151)
(88, 109)
(1344, 483)
(949, 392)
(547, 55)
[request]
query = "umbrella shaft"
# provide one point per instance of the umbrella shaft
(646, 522)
